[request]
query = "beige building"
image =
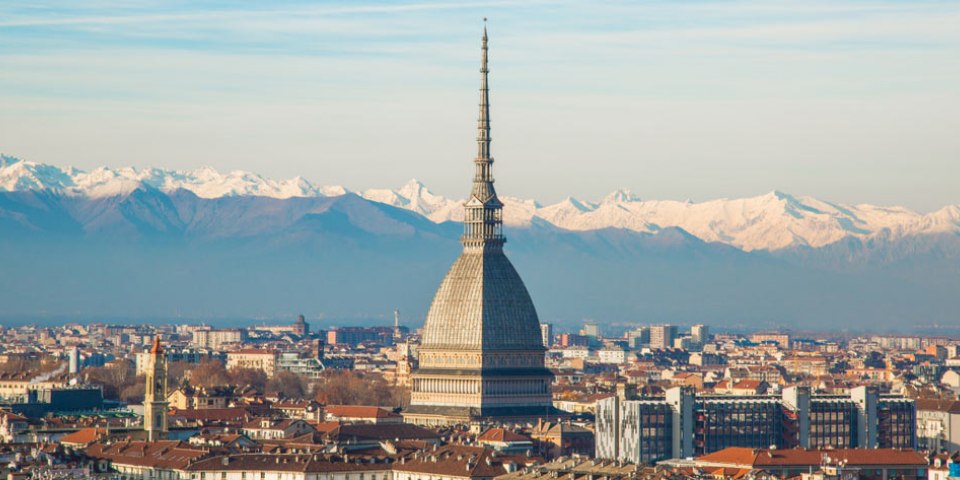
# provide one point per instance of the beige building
(193, 398)
(938, 424)
(781, 339)
(15, 385)
(661, 336)
(217, 339)
(252, 358)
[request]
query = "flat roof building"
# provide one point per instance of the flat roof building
(682, 424)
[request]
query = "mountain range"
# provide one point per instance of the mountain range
(202, 244)
(774, 221)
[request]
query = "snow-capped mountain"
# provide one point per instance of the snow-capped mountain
(415, 196)
(16, 175)
(774, 221)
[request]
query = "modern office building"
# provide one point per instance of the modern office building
(682, 424)
(700, 334)
(356, 335)
(546, 332)
(661, 336)
(638, 337)
(591, 330)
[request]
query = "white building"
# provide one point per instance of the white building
(216, 339)
(612, 355)
(938, 424)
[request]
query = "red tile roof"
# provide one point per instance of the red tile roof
(213, 414)
(13, 417)
(84, 436)
(359, 411)
(946, 406)
(502, 435)
(761, 458)
(460, 461)
(166, 454)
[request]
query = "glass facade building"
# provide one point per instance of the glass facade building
(684, 425)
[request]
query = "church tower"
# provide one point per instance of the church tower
(481, 357)
(155, 397)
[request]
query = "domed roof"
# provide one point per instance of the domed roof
(482, 304)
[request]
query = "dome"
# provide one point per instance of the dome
(482, 304)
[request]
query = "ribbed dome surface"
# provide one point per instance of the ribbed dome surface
(482, 303)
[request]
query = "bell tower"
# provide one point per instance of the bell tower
(155, 396)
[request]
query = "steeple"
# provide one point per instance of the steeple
(483, 216)
(482, 318)
(155, 395)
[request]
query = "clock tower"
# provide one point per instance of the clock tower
(155, 396)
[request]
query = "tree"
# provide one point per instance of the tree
(287, 384)
(209, 373)
(254, 377)
(177, 372)
(134, 393)
(114, 378)
(344, 387)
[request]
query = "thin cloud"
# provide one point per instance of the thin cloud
(236, 14)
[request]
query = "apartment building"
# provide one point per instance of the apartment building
(682, 424)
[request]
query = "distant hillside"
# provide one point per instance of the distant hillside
(152, 252)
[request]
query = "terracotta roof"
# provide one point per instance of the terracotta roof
(947, 406)
(213, 414)
(760, 458)
(224, 438)
(286, 463)
(273, 424)
(292, 404)
(502, 435)
(324, 427)
(13, 417)
(84, 436)
(359, 411)
(156, 348)
(459, 461)
(253, 351)
(747, 384)
(166, 454)
(390, 431)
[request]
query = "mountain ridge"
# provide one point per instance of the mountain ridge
(146, 253)
(771, 222)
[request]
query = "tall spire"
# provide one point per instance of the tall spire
(483, 121)
(483, 217)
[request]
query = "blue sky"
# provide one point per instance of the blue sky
(847, 101)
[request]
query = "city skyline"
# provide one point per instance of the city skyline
(849, 102)
(172, 322)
